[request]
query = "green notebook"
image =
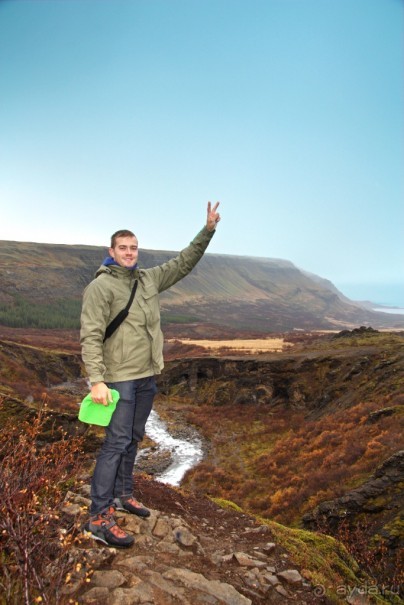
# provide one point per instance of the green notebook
(96, 413)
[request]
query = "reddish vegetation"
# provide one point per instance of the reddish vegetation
(281, 465)
(34, 477)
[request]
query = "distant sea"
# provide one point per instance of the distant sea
(395, 310)
(390, 296)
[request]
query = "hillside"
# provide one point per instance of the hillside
(41, 286)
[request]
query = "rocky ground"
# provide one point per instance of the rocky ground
(188, 551)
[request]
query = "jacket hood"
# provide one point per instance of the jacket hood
(116, 270)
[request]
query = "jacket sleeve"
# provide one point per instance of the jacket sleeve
(94, 318)
(169, 273)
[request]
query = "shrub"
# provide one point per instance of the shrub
(34, 477)
(382, 566)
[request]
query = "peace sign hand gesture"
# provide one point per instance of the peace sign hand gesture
(213, 217)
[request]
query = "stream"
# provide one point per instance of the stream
(184, 453)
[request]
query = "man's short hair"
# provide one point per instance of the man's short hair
(120, 233)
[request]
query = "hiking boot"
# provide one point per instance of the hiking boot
(130, 505)
(104, 528)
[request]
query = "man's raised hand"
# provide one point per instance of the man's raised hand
(213, 216)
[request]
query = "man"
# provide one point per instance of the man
(127, 361)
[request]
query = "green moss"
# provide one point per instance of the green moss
(226, 504)
(395, 527)
(357, 481)
(331, 566)
(385, 498)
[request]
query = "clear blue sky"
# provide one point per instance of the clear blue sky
(134, 113)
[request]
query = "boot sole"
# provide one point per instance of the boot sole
(90, 534)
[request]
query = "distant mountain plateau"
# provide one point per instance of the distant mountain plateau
(41, 286)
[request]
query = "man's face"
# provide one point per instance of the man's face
(125, 252)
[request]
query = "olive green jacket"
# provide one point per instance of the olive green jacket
(135, 350)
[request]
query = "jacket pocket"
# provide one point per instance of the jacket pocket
(150, 304)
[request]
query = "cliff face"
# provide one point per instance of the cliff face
(47, 367)
(381, 498)
(317, 382)
(373, 512)
(31, 373)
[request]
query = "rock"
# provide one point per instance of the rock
(144, 540)
(184, 536)
(157, 580)
(375, 416)
(96, 596)
(246, 561)
(225, 592)
(176, 522)
(143, 593)
(71, 509)
(269, 547)
(85, 489)
(279, 588)
(95, 557)
(291, 576)
(258, 553)
(252, 580)
(264, 529)
(108, 578)
(138, 563)
(161, 528)
(77, 499)
(133, 524)
(271, 578)
(217, 558)
(168, 547)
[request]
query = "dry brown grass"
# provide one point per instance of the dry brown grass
(253, 345)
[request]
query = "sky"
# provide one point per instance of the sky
(135, 113)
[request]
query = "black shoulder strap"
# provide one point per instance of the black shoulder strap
(116, 322)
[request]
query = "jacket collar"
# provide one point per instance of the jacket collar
(118, 271)
(111, 261)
